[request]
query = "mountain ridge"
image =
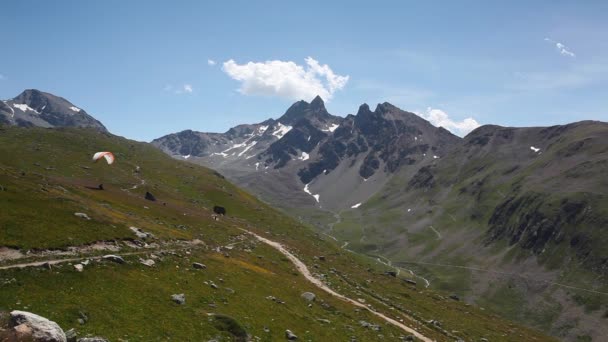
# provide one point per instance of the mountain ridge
(36, 108)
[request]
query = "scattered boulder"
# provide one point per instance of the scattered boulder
(454, 297)
(71, 335)
(148, 262)
(309, 296)
(28, 326)
(179, 298)
(409, 281)
(79, 267)
(100, 187)
(92, 339)
(150, 197)
(114, 258)
(82, 215)
(374, 327)
(322, 257)
(290, 335)
(219, 210)
(140, 233)
(392, 274)
(199, 266)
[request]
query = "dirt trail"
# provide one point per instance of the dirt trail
(389, 263)
(180, 245)
(301, 267)
(59, 261)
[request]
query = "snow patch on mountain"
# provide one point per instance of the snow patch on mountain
(306, 190)
(247, 148)
(535, 149)
(304, 156)
(331, 128)
(24, 108)
(281, 130)
(76, 109)
(356, 206)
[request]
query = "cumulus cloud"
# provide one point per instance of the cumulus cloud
(440, 118)
(211, 62)
(184, 89)
(286, 79)
(561, 48)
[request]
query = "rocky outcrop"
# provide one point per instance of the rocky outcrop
(28, 326)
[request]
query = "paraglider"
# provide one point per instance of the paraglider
(109, 157)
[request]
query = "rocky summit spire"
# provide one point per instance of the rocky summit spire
(303, 109)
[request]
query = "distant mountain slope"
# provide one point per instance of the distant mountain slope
(292, 161)
(528, 204)
(35, 108)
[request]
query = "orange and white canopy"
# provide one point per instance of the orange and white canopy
(107, 155)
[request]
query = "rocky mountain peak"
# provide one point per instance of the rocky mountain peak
(302, 109)
(37, 108)
(317, 104)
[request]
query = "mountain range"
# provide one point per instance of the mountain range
(528, 204)
(511, 219)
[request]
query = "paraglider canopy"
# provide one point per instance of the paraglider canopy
(107, 155)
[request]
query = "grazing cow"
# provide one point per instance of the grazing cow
(219, 210)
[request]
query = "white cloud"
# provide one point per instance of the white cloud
(211, 62)
(184, 89)
(286, 79)
(561, 48)
(440, 118)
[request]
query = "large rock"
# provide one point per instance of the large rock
(290, 335)
(82, 215)
(179, 298)
(309, 296)
(140, 233)
(199, 266)
(115, 258)
(37, 328)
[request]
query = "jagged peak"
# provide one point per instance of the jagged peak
(302, 109)
(317, 103)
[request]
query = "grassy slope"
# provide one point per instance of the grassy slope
(461, 208)
(44, 173)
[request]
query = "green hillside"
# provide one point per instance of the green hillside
(248, 290)
(513, 219)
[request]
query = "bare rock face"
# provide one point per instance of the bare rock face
(28, 326)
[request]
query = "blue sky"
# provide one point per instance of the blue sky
(143, 69)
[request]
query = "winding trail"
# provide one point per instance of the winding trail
(439, 237)
(389, 263)
(301, 267)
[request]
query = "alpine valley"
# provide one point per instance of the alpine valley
(511, 219)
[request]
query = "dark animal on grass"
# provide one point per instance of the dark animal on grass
(219, 210)
(150, 197)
